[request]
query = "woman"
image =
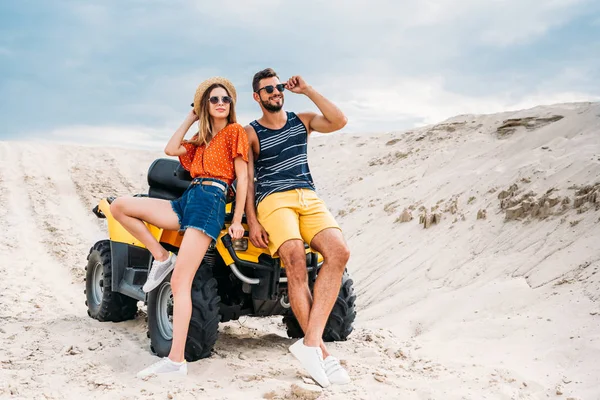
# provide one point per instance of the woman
(215, 156)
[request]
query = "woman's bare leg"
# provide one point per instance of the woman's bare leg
(131, 212)
(192, 251)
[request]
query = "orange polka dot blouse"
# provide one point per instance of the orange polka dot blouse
(215, 160)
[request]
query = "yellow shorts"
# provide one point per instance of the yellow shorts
(293, 214)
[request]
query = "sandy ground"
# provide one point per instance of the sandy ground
(504, 306)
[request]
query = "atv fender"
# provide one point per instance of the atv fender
(116, 232)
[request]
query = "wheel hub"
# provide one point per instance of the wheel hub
(98, 284)
(164, 312)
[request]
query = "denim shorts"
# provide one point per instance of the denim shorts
(202, 207)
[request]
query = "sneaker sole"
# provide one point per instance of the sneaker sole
(159, 279)
(338, 382)
(323, 384)
(163, 375)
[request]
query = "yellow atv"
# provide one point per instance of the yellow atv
(234, 279)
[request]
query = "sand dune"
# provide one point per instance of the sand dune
(497, 298)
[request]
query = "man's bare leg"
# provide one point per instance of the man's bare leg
(331, 244)
(294, 259)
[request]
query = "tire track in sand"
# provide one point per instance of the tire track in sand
(35, 289)
(67, 226)
(43, 320)
(22, 232)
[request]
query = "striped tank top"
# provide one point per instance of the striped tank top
(282, 163)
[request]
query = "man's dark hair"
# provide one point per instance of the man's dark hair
(265, 73)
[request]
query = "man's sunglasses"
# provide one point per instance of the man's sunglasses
(270, 88)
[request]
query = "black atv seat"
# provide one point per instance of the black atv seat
(168, 180)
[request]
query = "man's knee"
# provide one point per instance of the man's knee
(336, 253)
(294, 259)
(343, 253)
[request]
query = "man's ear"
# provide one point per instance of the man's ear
(256, 97)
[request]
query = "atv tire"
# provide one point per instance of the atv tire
(340, 323)
(104, 304)
(204, 323)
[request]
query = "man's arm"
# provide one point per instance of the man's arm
(331, 118)
(258, 236)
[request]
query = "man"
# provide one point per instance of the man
(289, 213)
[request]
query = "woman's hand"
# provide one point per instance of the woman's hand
(174, 147)
(236, 230)
(192, 116)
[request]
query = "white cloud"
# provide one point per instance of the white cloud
(122, 136)
(387, 22)
(407, 102)
(494, 22)
(516, 22)
(91, 14)
(129, 136)
(388, 64)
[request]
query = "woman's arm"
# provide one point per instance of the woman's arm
(236, 230)
(174, 147)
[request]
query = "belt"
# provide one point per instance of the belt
(211, 183)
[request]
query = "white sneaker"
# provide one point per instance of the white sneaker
(335, 372)
(311, 359)
(164, 367)
(158, 272)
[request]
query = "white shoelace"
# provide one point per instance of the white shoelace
(332, 365)
(159, 264)
(320, 354)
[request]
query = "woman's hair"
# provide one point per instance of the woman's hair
(205, 130)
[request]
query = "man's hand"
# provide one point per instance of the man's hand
(296, 84)
(258, 236)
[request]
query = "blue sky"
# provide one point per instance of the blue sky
(124, 72)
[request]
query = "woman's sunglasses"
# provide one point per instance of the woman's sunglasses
(270, 88)
(215, 100)
(224, 100)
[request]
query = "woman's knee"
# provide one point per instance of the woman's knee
(124, 206)
(180, 284)
(181, 280)
(117, 206)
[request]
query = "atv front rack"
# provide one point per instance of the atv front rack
(261, 269)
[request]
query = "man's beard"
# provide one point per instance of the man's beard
(270, 107)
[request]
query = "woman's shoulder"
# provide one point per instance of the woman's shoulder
(235, 128)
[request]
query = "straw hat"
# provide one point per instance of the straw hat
(208, 83)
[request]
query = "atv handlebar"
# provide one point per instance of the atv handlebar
(98, 212)
(242, 263)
